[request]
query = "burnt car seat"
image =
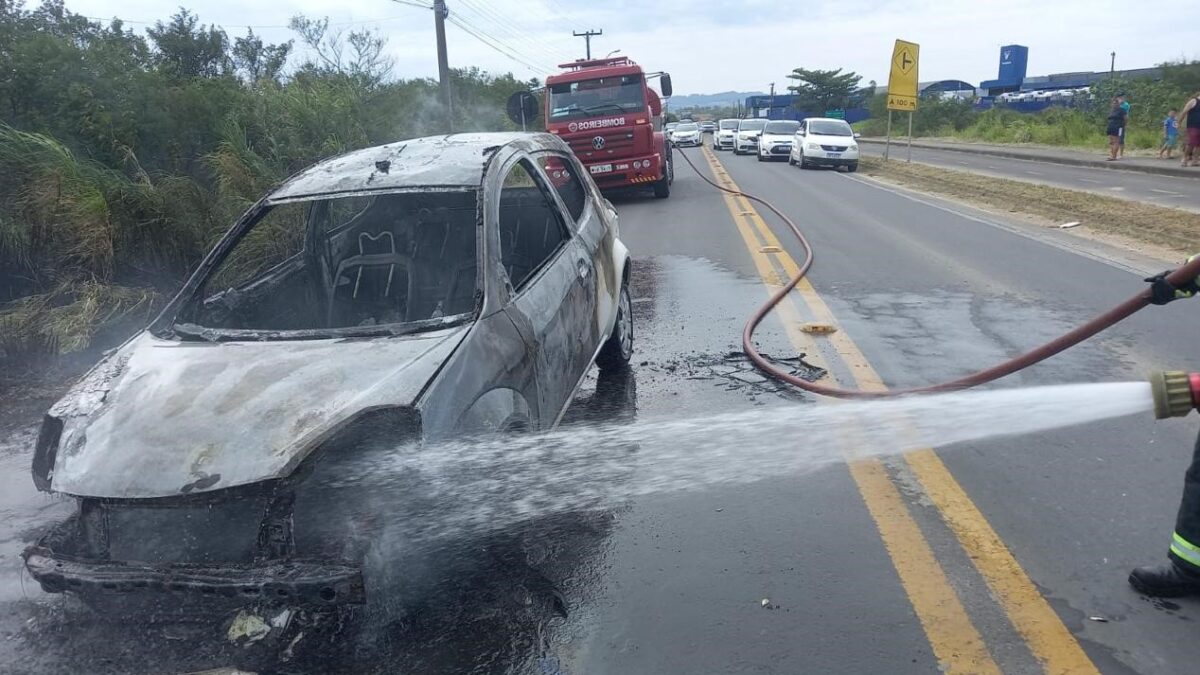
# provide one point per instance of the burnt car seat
(444, 259)
(529, 233)
(372, 286)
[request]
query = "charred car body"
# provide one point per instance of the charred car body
(406, 293)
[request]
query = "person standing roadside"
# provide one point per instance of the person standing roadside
(1124, 125)
(1170, 135)
(1116, 126)
(1191, 122)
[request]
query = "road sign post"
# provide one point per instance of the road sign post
(887, 145)
(902, 87)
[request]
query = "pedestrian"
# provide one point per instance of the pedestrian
(1125, 125)
(1181, 574)
(1170, 135)
(1191, 122)
(1116, 126)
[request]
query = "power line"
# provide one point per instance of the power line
(517, 34)
(218, 24)
(495, 44)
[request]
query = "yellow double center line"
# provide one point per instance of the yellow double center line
(951, 633)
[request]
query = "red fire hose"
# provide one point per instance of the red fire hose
(1177, 278)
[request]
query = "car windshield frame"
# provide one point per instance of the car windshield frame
(181, 326)
(744, 125)
(792, 127)
(822, 127)
(579, 99)
(727, 125)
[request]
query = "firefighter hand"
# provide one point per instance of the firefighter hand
(1161, 290)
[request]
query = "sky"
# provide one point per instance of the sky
(716, 46)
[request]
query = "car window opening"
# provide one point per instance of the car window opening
(531, 231)
(347, 262)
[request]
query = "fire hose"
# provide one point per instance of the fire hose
(1177, 278)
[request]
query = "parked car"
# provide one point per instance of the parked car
(822, 141)
(708, 127)
(687, 133)
(726, 131)
(776, 140)
(747, 135)
(401, 294)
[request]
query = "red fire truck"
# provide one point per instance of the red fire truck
(607, 112)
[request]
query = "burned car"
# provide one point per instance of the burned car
(406, 293)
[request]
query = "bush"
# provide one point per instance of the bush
(121, 161)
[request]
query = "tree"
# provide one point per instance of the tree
(257, 61)
(358, 54)
(820, 90)
(187, 49)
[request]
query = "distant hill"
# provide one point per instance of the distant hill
(707, 100)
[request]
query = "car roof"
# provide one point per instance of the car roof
(455, 160)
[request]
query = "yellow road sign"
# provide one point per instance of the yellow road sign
(902, 82)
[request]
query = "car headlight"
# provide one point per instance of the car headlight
(812, 146)
(854, 147)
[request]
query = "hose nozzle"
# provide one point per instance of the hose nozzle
(1175, 393)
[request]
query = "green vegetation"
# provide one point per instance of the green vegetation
(821, 90)
(1079, 126)
(123, 158)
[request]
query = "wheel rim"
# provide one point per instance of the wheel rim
(625, 324)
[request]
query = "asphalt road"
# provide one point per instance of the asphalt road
(989, 556)
(1173, 191)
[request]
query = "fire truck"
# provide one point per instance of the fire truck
(607, 112)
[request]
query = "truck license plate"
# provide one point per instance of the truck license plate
(601, 168)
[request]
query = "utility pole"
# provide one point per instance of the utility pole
(1112, 67)
(587, 35)
(440, 12)
(771, 104)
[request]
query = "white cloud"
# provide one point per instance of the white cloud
(714, 46)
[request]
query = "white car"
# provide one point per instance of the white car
(746, 140)
(821, 141)
(726, 131)
(687, 133)
(776, 140)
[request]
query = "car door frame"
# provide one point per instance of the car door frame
(508, 296)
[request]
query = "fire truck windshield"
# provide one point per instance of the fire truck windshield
(601, 96)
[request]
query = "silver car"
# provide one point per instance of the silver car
(400, 294)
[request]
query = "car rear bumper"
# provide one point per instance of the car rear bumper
(623, 174)
(304, 582)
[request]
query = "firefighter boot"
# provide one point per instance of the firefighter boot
(1165, 581)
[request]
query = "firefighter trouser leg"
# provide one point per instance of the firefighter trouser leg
(1185, 545)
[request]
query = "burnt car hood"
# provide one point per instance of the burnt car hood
(161, 417)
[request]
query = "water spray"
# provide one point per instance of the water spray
(1172, 404)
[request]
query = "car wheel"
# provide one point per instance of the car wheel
(791, 162)
(760, 157)
(852, 167)
(617, 351)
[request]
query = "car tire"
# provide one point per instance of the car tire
(852, 167)
(791, 162)
(803, 162)
(618, 349)
(760, 157)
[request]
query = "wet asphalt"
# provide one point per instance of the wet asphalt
(675, 583)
